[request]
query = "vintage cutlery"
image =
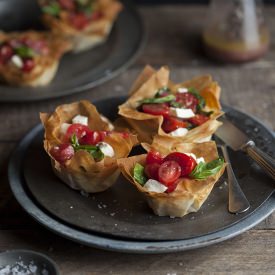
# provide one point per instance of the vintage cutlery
(237, 140)
(238, 202)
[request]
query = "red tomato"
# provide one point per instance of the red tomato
(39, 46)
(91, 138)
(151, 170)
(79, 20)
(154, 157)
(156, 109)
(187, 100)
(198, 119)
(78, 129)
(171, 187)
(6, 53)
(169, 172)
(62, 152)
(96, 15)
(67, 4)
(28, 65)
(187, 163)
(171, 124)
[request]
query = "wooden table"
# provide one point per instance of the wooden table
(173, 39)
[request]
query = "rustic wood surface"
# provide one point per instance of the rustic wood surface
(173, 39)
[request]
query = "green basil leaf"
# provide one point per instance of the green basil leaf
(194, 92)
(158, 100)
(204, 170)
(176, 104)
(52, 9)
(139, 174)
(24, 52)
(95, 151)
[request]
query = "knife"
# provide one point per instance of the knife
(237, 140)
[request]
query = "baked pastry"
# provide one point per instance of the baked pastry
(186, 112)
(175, 180)
(84, 147)
(86, 23)
(30, 58)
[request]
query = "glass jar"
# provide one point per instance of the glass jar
(235, 31)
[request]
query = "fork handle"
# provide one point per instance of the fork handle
(266, 162)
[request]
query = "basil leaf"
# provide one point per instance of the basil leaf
(139, 175)
(52, 9)
(158, 100)
(194, 92)
(95, 151)
(204, 170)
(176, 104)
(24, 51)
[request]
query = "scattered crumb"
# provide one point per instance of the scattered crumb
(104, 205)
(84, 194)
(99, 206)
(71, 207)
(181, 263)
(112, 214)
(115, 224)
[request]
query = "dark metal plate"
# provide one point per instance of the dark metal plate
(121, 212)
(77, 72)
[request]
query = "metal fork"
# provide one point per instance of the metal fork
(238, 202)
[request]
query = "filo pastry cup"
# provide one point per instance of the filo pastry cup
(190, 194)
(95, 33)
(82, 172)
(147, 126)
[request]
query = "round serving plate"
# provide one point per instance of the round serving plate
(77, 72)
(119, 219)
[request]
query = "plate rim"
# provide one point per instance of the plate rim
(16, 180)
(129, 7)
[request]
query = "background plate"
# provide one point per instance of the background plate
(77, 72)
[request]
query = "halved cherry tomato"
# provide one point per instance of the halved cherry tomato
(171, 124)
(77, 129)
(79, 20)
(67, 4)
(96, 15)
(28, 65)
(169, 171)
(151, 170)
(188, 101)
(187, 163)
(156, 109)
(171, 187)
(198, 119)
(154, 157)
(6, 53)
(39, 46)
(91, 138)
(62, 152)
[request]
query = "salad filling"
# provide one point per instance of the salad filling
(77, 13)
(78, 136)
(181, 111)
(20, 53)
(162, 173)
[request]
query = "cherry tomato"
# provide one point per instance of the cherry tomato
(188, 101)
(156, 109)
(171, 124)
(154, 157)
(39, 46)
(91, 138)
(78, 129)
(169, 171)
(198, 119)
(171, 187)
(28, 65)
(6, 52)
(151, 170)
(79, 20)
(187, 163)
(62, 152)
(96, 15)
(67, 4)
